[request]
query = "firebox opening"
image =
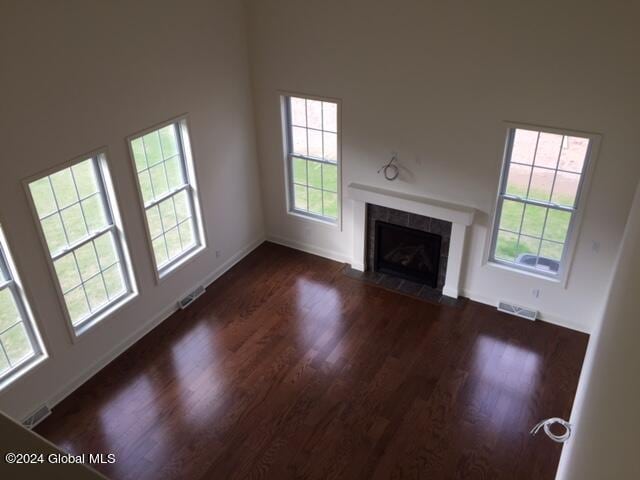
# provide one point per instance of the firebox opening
(407, 253)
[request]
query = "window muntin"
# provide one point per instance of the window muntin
(85, 244)
(542, 178)
(166, 182)
(19, 344)
(313, 156)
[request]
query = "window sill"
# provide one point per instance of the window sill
(25, 368)
(187, 257)
(313, 218)
(84, 327)
(521, 271)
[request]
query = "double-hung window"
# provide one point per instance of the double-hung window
(313, 157)
(539, 197)
(20, 345)
(167, 185)
(80, 223)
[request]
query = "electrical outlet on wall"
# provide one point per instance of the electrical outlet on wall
(218, 253)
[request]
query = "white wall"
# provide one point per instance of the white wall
(605, 414)
(77, 75)
(434, 80)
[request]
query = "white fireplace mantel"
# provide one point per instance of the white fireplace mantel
(460, 217)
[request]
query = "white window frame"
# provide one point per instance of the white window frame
(100, 157)
(577, 212)
(287, 143)
(191, 186)
(15, 287)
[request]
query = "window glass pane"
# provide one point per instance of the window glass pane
(557, 225)
(565, 189)
(329, 116)
(54, 233)
(300, 197)
(574, 154)
(315, 174)
(106, 250)
(158, 180)
(4, 363)
(96, 292)
(314, 114)
(145, 186)
(518, 180)
(9, 313)
(541, 183)
(300, 170)
(186, 234)
(74, 223)
(87, 261)
(94, 213)
(160, 250)
(511, 216)
(77, 305)
(551, 250)
(298, 112)
(167, 214)
(527, 250)
(17, 344)
(330, 204)
(154, 222)
(330, 177)
(183, 207)
(175, 174)
(299, 140)
(533, 221)
(315, 143)
(548, 150)
(43, 197)
(524, 146)
(152, 148)
(330, 146)
(85, 178)
(67, 271)
(64, 188)
(169, 141)
(140, 158)
(506, 246)
(114, 281)
(174, 246)
(315, 201)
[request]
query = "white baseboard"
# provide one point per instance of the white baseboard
(156, 320)
(312, 249)
(545, 317)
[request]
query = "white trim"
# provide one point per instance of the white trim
(545, 317)
(134, 337)
(576, 217)
(182, 125)
(288, 174)
(312, 249)
(106, 188)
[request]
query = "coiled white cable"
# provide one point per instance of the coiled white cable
(546, 424)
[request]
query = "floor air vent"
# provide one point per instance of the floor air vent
(188, 300)
(518, 310)
(36, 417)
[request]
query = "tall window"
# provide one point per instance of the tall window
(539, 195)
(167, 184)
(313, 157)
(79, 221)
(19, 342)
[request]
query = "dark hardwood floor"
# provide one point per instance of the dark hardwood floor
(286, 368)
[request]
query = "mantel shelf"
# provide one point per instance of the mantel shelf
(417, 204)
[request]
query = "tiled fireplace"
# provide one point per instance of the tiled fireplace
(425, 229)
